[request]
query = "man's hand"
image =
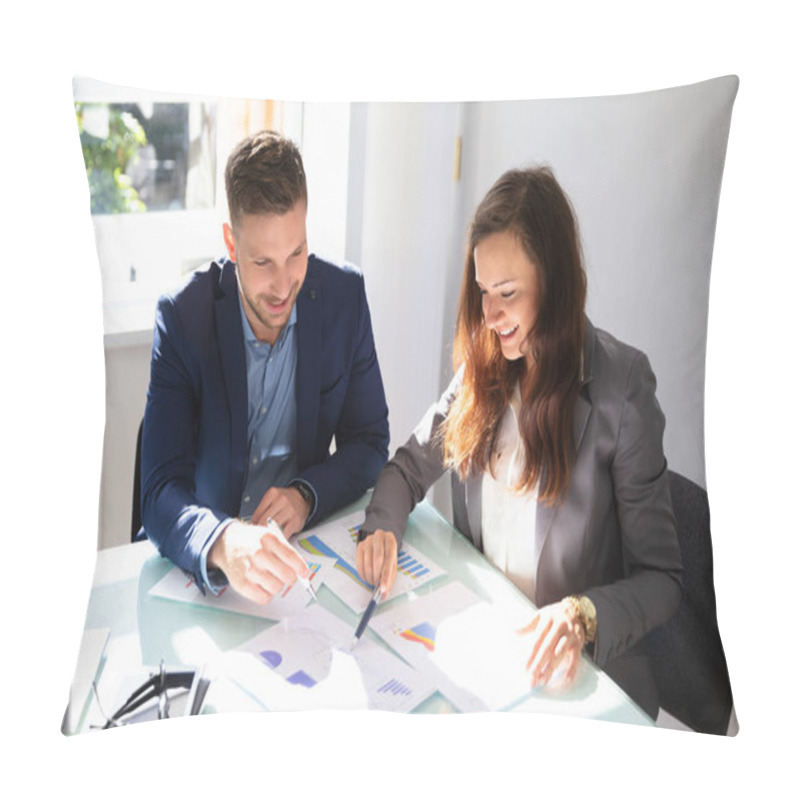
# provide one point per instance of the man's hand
(286, 506)
(256, 562)
(376, 560)
(559, 637)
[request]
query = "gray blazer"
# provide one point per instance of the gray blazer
(613, 537)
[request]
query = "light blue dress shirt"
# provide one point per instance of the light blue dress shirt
(271, 423)
(271, 412)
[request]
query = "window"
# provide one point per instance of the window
(148, 156)
(155, 168)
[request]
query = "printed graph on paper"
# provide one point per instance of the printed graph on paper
(339, 539)
(312, 652)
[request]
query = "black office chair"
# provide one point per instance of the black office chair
(136, 511)
(686, 652)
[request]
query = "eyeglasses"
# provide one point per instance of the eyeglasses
(158, 688)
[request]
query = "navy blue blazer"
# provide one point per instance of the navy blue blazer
(194, 438)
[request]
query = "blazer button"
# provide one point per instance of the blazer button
(313, 294)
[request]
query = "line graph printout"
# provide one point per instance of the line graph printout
(468, 647)
(176, 585)
(311, 652)
(339, 539)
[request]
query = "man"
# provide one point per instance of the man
(258, 362)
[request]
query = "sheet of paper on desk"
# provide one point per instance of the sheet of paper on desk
(338, 539)
(309, 655)
(467, 646)
(176, 585)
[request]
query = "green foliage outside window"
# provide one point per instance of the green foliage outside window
(107, 160)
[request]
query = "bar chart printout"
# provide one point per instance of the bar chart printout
(338, 539)
(312, 653)
(394, 687)
(391, 685)
(413, 568)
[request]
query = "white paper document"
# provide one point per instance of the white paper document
(311, 657)
(176, 585)
(468, 647)
(338, 539)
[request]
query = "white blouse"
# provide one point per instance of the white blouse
(508, 517)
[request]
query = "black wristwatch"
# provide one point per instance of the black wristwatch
(305, 492)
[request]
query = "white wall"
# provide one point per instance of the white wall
(401, 241)
(127, 364)
(325, 142)
(161, 246)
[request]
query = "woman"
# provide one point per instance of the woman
(553, 434)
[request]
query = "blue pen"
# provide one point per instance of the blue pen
(370, 610)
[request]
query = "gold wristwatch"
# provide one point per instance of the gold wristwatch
(587, 614)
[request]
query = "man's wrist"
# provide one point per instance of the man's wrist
(306, 492)
(212, 576)
(214, 553)
(215, 559)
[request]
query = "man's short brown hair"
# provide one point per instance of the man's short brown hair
(264, 175)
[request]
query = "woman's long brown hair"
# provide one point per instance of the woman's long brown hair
(531, 205)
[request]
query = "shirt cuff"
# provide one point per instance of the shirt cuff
(214, 579)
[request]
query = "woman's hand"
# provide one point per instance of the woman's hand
(559, 637)
(376, 560)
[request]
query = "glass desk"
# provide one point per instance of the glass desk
(129, 632)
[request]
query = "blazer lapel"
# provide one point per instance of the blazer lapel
(309, 368)
(583, 405)
(546, 514)
(234, 367)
